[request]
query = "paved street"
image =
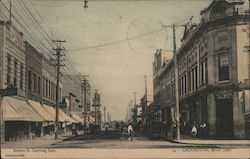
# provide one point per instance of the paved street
(113, 140)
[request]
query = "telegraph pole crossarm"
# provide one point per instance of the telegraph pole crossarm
(177, 117)
(84, 93)
(58, 64)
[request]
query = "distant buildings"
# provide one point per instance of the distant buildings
(213, 75)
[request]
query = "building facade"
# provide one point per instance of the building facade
(12, 58)
(34, 77)
(213, 66)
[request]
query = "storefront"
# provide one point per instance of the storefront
(21, 120)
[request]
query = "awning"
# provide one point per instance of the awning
(18, 110)
(50, 111)
(91, 119)
(76, 117)
(41, 110)
(62, 117)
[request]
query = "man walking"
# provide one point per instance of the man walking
(130, 131)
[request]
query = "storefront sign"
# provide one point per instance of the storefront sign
(225, 94)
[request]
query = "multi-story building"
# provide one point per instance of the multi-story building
(48, 82)
(214, 67)
(34, 73)
(73, 91)
(12, 58)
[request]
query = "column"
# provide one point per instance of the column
(42, 129)
(211, 110)
(2, 120)
(238, 115)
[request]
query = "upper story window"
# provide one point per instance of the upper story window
(21, 76)
(34, 83)
(29, 81)
(203, 72)
(8, 69)
(15, 73)
(223, 67)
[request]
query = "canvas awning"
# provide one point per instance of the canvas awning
(19, 110)
(62, 117)
(76, 117)
(41, 110)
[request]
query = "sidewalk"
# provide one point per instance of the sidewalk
(198, 141)
(41, 142)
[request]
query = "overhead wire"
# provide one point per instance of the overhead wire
(31, 37)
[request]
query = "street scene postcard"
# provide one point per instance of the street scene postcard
(125, 79)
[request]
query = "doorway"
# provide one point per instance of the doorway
(224, 118)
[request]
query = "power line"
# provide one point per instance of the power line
(115, 42)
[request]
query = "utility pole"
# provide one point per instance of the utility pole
(135, 98)
(84, 93)
(176, 86)
(97, 103)
(58, 64)
(104, 115)
(146, 98)
(177, 102)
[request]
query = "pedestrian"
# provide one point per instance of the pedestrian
(194, 131)
(174, 129)
(203, 129)
(130, 131)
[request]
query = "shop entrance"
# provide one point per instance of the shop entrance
(224, 118)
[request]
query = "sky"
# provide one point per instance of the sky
(114, 41)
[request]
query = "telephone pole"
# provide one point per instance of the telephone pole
(146, 99)
(58, 65)
(104, 109)
(176, 71)
(84, 93)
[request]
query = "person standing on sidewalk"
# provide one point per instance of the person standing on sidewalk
(194, 131)
(130, 131)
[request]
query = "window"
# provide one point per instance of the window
(21, 76)
(223, 67)
(8, 69)
(44, 84)
(29, 81)
(39, 85)
(34, 83)
(203, 72)
(15, 73)
(46, 88)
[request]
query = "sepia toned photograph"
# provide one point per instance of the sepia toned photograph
(125, 79)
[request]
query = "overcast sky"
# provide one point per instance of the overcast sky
(132, 31)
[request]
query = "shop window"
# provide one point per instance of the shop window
(223, 67)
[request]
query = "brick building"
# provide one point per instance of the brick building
(214, 71)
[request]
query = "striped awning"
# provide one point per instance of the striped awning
(41, 110)
(19, 110)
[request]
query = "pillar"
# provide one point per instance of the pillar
(211, 110)
(2, 121)
(238, 115)
(43, 123)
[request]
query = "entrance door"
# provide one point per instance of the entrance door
(224, 118)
